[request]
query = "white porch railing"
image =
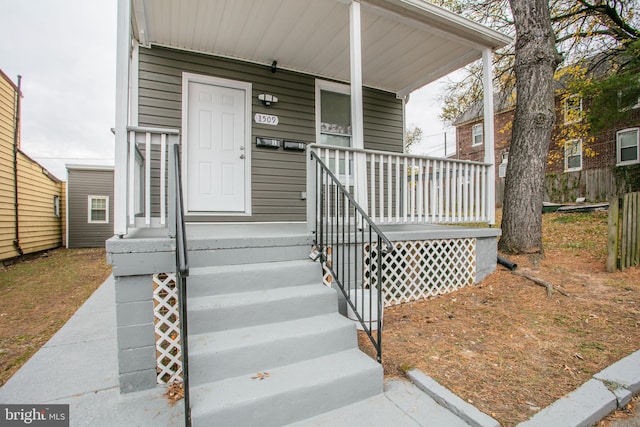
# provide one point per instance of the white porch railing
(412, 189)
(150, 182)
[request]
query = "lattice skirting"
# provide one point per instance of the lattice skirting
(418, 269)
(167, 327)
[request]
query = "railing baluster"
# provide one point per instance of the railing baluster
(398, 183)
(419, 192)
(147, 179)
(405, 192)
(447, 192)
(440, 189)
(381, 187)
(372, 184)
(413, 189)
(163, 188)
(132, 182)
(427, 204)
(389, 189)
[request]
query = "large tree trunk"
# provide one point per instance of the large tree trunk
(535, 63)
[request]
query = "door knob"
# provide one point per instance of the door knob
(242, 156)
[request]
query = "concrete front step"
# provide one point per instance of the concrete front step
(227, 354)
(228, 279)
(205, 252)
(219, 355)
(283, 395)
(233, 311)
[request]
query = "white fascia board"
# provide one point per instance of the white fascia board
(455, 24)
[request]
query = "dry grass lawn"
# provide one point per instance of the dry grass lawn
(39, 295)
(508, 348)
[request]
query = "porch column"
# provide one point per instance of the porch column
(122, 104)
(357, 127)
(489, 152)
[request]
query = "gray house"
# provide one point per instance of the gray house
(274, 130)
(89, 205)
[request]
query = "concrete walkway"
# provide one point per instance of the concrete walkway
(78, 366)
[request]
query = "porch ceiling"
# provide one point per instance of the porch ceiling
(405, 43)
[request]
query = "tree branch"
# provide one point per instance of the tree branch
(550, 288)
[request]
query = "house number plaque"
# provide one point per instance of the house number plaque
(266, 119)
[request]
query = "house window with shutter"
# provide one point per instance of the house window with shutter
(98, 210)
(627, 151)
(573, 155)
(476, 134)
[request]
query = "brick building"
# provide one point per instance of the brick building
(593, 166)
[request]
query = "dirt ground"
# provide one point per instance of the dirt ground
(508, 348)
(39, 295)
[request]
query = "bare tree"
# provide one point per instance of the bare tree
(536, 60)
(582, 28)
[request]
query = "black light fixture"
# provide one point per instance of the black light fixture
(274, 66)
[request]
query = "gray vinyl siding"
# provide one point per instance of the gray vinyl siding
(278, 176)
(81, 184)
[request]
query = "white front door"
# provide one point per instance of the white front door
(216, 146)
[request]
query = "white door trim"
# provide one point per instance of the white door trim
(217, 81)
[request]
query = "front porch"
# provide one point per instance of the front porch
(290, 138)
(255, 279)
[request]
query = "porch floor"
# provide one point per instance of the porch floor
(256, 230)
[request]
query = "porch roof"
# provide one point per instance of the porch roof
(406, 44)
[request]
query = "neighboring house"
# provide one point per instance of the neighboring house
(31, 198)
(594, 167)
(261, 99)
(89, 205)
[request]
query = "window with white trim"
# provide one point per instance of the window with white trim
(573, 155)
(334, 117)
(476, 134)
(98, 210)
(572, 106)
(627, 151)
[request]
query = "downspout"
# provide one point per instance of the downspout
(16, 143)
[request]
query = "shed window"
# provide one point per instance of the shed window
(476, 134)
(573, 155)
(627, 147)
(572, 109)
(98, 209)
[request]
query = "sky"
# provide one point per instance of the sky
(65, 52)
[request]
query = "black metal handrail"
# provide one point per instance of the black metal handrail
(182, 272)
(352, 248)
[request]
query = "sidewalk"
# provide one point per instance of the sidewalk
(79, 366)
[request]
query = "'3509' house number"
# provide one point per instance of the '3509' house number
(266, 119)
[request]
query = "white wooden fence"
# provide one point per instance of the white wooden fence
(410, 189)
